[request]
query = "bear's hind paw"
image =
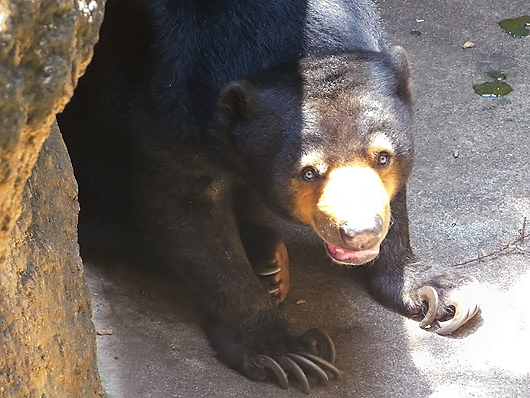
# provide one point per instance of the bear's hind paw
(274, 274)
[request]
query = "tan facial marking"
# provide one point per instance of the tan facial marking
(381, 142)
(310, 158)
(392, 180)
(389, 175)
(306, 199)
(353, 194)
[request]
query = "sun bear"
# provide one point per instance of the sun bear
(195, 113)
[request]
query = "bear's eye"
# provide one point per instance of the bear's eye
(382, 158)
(309, 174)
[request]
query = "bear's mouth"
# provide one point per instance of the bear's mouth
(352, 257)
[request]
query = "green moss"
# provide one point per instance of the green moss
(497, 75)
(492, 89)
(517, 26)
(498, 88)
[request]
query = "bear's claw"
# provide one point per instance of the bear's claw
(314, 360)
(430, 295)
(274, 273)
(310, 366)
(464, 309)
(294, 364)
(268, 271)
(462, 315)
(320, 344)
(294, 369)
(265, 362)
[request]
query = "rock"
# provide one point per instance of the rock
(45, 45)
(47, 341)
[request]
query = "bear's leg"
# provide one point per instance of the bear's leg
(405, 284)
(268, 255)
(191, 227)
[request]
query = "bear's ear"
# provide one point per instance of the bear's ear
(237, 100)
(400, 64)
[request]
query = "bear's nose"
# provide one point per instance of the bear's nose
(361, 238)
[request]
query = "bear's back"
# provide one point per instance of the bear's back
(204, 45)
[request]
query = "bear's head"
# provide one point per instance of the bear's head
(326, 142)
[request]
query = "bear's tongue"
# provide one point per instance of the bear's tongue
(352, 256)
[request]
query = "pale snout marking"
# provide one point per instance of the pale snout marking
(355, 195)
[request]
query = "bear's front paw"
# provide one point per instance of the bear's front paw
(448, 302)
(317, 360)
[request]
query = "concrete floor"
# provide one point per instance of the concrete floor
(469, 193)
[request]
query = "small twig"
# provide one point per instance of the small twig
(521, 236)
(512, 245)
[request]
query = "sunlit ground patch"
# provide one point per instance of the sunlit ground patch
(499, 344)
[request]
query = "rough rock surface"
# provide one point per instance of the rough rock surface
(45, 45)
(47, 340)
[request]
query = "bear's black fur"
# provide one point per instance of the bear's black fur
(193, 112)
